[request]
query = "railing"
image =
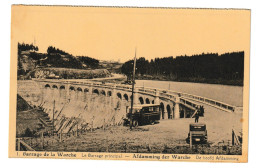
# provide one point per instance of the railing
(167, 94)
(149, 91)
(211, 102)
(217, 104)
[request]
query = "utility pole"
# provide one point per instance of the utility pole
(60, 138)
(53, 117)
(132, 99)
(42, 137)
(77, 129)
(190, 139)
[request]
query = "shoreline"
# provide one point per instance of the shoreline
(202, 81)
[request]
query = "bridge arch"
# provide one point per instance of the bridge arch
(86, 90)
(54, 86)
(147, 101)
(96, 91)
(62, 92)
(119, 95)
(72, 88)
(79, 94)
(126, 97)
(109, 93)
(141, 100)
(55, 93)
(47, 86)
(103, 92)
(79, 89)
(185, 112)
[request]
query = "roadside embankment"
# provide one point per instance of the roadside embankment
(67, 73)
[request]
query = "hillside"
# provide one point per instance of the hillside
(56, 63)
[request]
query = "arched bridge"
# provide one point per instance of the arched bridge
(173, 105)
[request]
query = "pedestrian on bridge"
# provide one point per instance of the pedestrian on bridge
(197, 115)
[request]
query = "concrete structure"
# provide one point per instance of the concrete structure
(173, 105)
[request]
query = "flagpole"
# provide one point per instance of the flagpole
(132, 99)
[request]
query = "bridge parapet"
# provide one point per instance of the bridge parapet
(169, 94)
(185, 98)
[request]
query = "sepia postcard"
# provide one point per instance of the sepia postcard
(129, 83)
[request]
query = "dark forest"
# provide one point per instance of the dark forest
(226, 68)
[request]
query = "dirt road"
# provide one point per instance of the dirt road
(150, 138)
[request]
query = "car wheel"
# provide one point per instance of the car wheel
(135, 123)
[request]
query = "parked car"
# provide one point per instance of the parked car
(143, 114)
(198, 132)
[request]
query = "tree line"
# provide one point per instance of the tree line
(227, 68)
(26, 47)
(78, 62)
(53, 50)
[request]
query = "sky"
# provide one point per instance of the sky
(115, 33)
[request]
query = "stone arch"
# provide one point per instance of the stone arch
(55, 93)
(162, 110)
(96, 91)
(168, 108)
(109, 93)
(54, 86)
(141, 100)
(79, 89)
(119, 95)
(62, 92)
(184, 112)
(147, 101)
(47, 86)
(72, 88)
(153, 102)
(79, 94)
(126, 97)
(85, 91)
(103, 92)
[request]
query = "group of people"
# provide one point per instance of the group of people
(198, 112)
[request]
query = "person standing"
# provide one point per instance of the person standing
(197, 115)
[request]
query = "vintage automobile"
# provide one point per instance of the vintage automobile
(143, 114)
(198, 132)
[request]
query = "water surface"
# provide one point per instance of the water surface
(232, 95)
